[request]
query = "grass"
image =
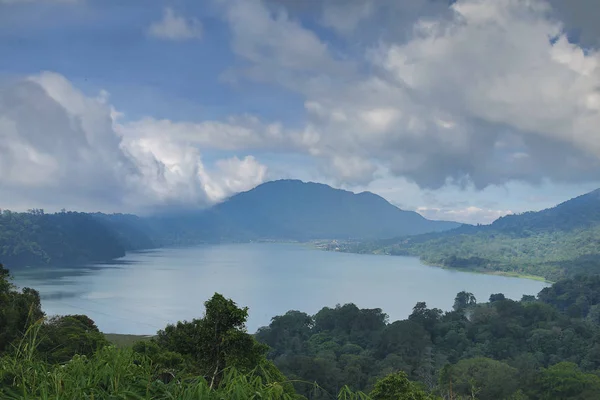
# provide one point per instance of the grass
(123, 340)
(119, 373)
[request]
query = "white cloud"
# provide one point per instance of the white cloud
(175, 27)
(66, 149)
(235, 175)
(476, 93)
(468, 215)
(278, 48)
(235, 133)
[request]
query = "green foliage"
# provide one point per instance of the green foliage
(36, 238)
(398, 387)
(464, 300)
(480, 378)
(63, 337)
(514, 340)
(216, 342)
(545, 348)
(18, 310)
(565, 381)
(556, 243)
(123, 374)
(68, 358)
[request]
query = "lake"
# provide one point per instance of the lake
(144, 291)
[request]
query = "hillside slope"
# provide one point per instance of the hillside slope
(558, 242)
(278, 210)
(36, 238)
(292, 209)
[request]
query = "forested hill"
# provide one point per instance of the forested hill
(133, 232)
(37, 238)
(279, 210)
(501, 349)
(579, 213)
(294, 209)
(554, 243)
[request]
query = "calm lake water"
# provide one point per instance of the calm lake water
(144, 291)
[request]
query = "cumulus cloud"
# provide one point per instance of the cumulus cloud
(472, 93)
(235, 133)
(175, 27)
(278, 48)
(481, 92)
(59, 145)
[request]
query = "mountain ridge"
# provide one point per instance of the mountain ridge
(558, 242)
(296, 210)
(276, 210)
(364, 214)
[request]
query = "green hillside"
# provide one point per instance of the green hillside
(555, 243)
(37, 238)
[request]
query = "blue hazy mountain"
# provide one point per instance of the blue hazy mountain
(292, 209)
(278, 210)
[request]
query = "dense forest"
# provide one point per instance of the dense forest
(501, 349)
(37, 238)
(559, 242)
(543, 347)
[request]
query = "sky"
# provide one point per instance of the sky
(461, 110)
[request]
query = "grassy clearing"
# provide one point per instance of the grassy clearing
(123, 340)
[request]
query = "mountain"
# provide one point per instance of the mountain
(36, 238)
(292, 209)
(555, 243)
(132, 232)
(278, 210)
(578, 213)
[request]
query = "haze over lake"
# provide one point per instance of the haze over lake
(144, 291)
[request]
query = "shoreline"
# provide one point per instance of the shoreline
(507, 274)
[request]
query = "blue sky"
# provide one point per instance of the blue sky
(463, 110)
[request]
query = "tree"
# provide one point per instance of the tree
(289, 332)
(464, 300)
(527, 298)
(497, 297)
(217, 341)
(398, 387)
(63, 337)
(481, 378)
(406, 339)
(565, 381)
(426, 317)
(18, 310)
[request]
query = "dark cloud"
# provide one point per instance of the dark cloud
(366, 20)
(580, 18)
